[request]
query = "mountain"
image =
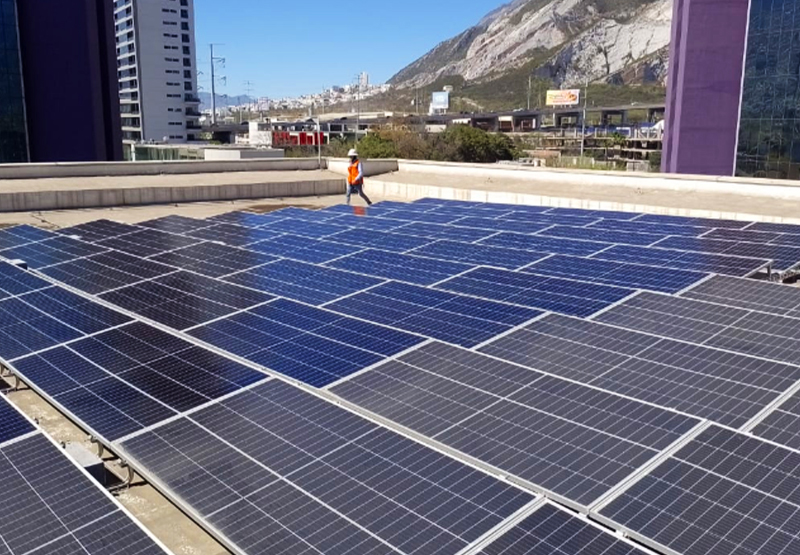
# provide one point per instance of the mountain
(563, 42)
(222, 100)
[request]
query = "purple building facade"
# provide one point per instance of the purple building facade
(67, 51)
(705, 86)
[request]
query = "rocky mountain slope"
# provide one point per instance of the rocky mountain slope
(564, 41)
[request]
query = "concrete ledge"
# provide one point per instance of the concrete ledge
(371, 167)
(176, 167)
(103, 198)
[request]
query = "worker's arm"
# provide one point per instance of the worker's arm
(360, 172)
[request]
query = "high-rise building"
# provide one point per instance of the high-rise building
(157, 70)
(58, 97)
(733, 103)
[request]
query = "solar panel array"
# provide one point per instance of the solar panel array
(50, 505)
(341, 381)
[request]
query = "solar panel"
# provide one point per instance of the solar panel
(517, 226)
(16, 281)
(638, 226)
(453, 318)
(367, 222)
(19, 235)
(183, 299)
(726, 387)
(546, 431)
(12, 423)
(603, 235)
(589, 213)
(303, 214)
(785, 258)
(546, 293)
(774, 227)
(316, 230)
(738, 330)
(747, 236)
(278, 469)
(447, 202)
(50, 506)
(303, 282)
(176, 224)
(545, 244)
(548, 219)
(481, 211)
(722, 493)
(234, 235)
(684, 220)
(51, 251)
(212, 260)
(124, 380)
(616, 273)
(483, 255)
(106, 271)
(553, 531)
(391, 242)
(782, 424)
(437, 231)
(248, 219)
(763, 296)
(418, 216)
(304, 249)
(148, 242)
(400, 267)
(98, 230)
(308, 344)
(682, 260)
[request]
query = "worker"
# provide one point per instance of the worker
(355, 177)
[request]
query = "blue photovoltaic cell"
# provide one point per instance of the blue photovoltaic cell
(517, 226)
(446, 202)
(570, 297)
(212, 260)
(545, 244)
(419, 216)
(401, 267)
(437, 231)
(747, 236)
(607, 214)
(148, 242)
(644, 227)
(367, 222)
(785, 258)
(378, 240)
(482, 255)
(98, 230)
(234, 235)
(394, 205)
(304, 249)
(441, 315)
(12, 423)
(248, 219)
(683, 220)
(474, 211)
(176, 224)
(603, 235)
(25, 330)
(775, 228)
(25, 233)
(303, 282)
(682, 260)
(52, 251)
(547, 219)
(78, 312)
(304, 228)
(651, 278)
(315, 346)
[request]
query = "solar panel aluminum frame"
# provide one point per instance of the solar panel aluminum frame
(594, 513)
(503, 475)
(85, 473)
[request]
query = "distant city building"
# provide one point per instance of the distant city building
(363, 80)
(58, 95)
(157, 70)
(733, 102)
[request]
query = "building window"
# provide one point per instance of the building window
(186, 38)
(187, 51)
(187, 74)
(187, 62)
(185, 14)
(173, 96)
(184, 26)
(188, 86)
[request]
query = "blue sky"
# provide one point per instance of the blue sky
(292, 47)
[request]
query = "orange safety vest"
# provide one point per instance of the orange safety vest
(352, 174)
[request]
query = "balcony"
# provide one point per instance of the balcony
(191, 98)
(192, 113)
(193, 126)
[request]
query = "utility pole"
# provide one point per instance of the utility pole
(248, 90)
(529, 92)
(583, 123)
(214, 83)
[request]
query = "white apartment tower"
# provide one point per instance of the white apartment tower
(157, 70)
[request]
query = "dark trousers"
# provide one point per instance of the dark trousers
(359, 189)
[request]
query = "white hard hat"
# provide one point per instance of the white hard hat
(352, 153)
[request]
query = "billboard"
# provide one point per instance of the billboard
(569, 97)
(440, 101)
